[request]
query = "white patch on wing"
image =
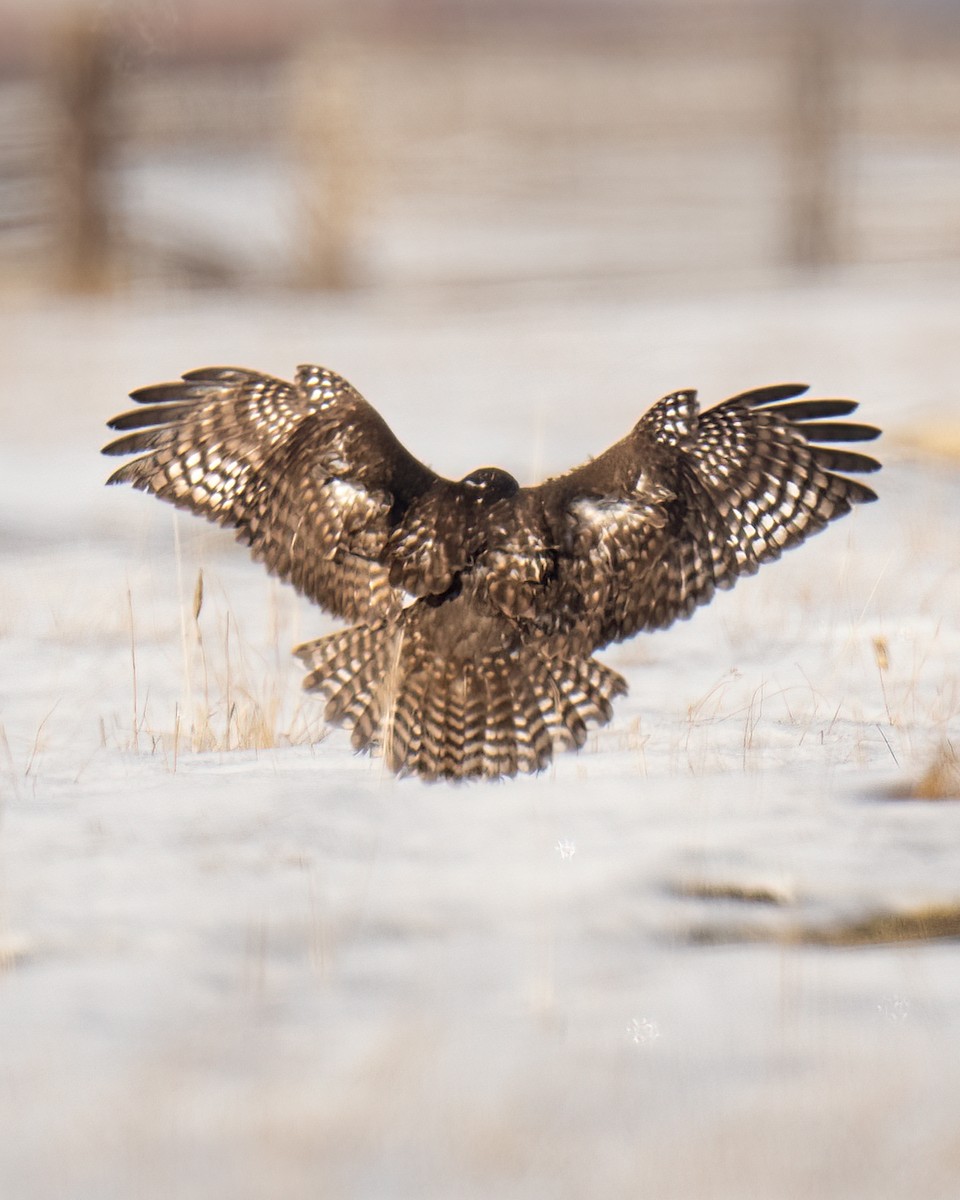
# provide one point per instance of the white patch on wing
(602, 513)
(608, 514)
(344, 493)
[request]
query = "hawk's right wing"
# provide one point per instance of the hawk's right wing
(309, 474)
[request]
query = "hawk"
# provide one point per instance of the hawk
(476, 606)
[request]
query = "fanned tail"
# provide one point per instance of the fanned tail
(493, 718)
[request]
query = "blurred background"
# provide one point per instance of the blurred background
(512, 224)
(386, 144)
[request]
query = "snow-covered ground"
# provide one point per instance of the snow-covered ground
(276, 971)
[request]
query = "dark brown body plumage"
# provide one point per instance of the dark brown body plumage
(477, 605)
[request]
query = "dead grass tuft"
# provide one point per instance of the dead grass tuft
(928, 923)
(940, 780)
(234, 695)
(940, 441)
(746, 893)
(14, 950)
(917, 925)
(231, 704)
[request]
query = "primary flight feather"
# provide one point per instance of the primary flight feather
(476, 606)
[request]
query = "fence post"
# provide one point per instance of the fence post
(813, 134)
(82, 94)
(328, 163)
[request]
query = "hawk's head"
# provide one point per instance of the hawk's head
(490, 484)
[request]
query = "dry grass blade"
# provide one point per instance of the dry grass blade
(198, 596)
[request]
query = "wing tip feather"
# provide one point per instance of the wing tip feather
(774, 393)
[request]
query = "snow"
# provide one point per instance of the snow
(278, 971)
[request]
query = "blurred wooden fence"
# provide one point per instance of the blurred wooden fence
(794, 143)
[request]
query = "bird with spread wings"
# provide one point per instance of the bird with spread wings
(476, 606)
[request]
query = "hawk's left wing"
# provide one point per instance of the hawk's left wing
(689, 501)
(309, 474)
